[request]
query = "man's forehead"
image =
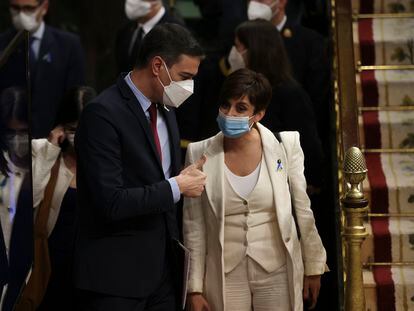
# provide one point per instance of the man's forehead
(25, 2)
(187, 63)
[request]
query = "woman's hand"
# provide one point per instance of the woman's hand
(311, 287)
(196, 302)
(57, 136)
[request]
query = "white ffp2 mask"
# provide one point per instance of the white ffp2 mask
(177, 91)
(135, 9)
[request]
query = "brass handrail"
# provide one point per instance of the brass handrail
(357, 16)
(388, 150)
(403, 215)
(380, 264)
(359, 68)
(386, 108)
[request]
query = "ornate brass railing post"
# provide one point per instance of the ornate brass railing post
(355, 208)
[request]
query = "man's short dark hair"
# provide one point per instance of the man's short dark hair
(246, 82)
(169, 41)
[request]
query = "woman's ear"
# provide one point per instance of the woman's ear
(259, 115)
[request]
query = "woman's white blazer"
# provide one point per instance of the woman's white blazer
(203, 225)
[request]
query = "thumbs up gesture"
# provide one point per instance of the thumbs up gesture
(192, 180)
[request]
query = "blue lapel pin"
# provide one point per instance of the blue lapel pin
(279, 165)
(47, 58)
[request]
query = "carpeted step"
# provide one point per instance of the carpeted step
(389, 288)
(384, 41)
(395, 231)
(390, 183)
(385, 88)
(381, 6)
(395, 128)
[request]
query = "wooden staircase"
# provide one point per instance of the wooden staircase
(383, 34)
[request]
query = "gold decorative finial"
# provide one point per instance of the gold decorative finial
(355, 171)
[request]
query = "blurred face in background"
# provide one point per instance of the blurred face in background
(266, 9)
(140, 9)
(28, 14)
(17, 137)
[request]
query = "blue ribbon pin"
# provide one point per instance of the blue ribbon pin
(279, 165)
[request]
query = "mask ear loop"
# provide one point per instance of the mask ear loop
(171, 80)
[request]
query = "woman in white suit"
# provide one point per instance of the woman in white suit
(245, 249)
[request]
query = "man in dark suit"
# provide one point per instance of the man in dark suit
(307, 53)
(56, 62)
(128, 150)
(143, 15)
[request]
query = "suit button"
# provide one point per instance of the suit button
(246, 243)
(246, 228)
(287, 239)
(246, 214)
(244, 202)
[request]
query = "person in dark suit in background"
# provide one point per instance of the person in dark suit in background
(56, 62)
(16, 206)
(143, 15)
(308, 56)
(127, 147)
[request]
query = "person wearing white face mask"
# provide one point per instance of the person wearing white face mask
(16, 209)
(56, 61)
(130, 179)
(143, 15)
(307, 52)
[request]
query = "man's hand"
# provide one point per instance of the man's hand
(311, 287)
(196, 302)
(192, 180)
(57, 136)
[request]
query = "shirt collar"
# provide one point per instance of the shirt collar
(38, 34)
(148, 25)
(282, 23)
(142, 99)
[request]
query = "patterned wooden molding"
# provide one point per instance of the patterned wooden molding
(396, 150)
(386, 108)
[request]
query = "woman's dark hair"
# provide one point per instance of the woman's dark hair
(246, 82)
(13, 106)
(265, 50)
(73, 103)
(169, 41)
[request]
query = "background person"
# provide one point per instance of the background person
(56, 62)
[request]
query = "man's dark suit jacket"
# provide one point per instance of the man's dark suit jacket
(124, 60)
(307, 52)
(60, 66)
(14, 270)
(126, 207)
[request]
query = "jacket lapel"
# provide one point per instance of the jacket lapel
(273, 152)
(214, 169)
(135, 107)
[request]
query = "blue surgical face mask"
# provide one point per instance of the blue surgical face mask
(233, 127)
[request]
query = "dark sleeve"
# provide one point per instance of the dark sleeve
(99, 148)
(316, 80)
(297, 115)
(76, 66)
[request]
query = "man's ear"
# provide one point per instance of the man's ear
(156, 65)
(45, 7)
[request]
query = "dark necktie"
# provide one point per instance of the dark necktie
(32, 56)
(153, 122)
